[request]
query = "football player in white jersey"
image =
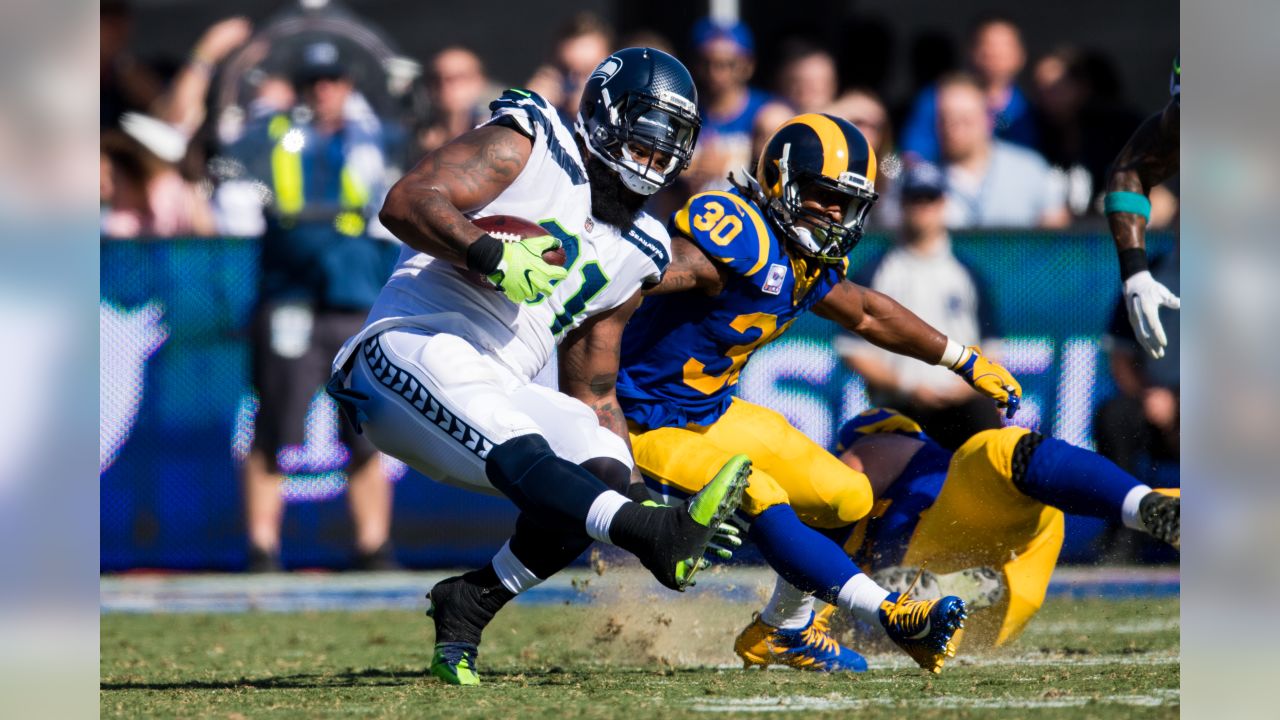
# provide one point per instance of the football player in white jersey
(441, 375)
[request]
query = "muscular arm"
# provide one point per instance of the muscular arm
(1148, 159)
(690, 268)
(589, 359)
(425, 208)
(880, 319)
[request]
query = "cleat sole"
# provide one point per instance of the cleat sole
(728, 504)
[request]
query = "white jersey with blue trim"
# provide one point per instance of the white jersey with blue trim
(606, 265)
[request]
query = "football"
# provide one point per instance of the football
(508, 228)
(512, 229)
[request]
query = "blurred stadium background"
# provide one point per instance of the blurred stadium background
(179, 286)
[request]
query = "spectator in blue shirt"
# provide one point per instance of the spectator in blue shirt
(724, 63)
(996, 57)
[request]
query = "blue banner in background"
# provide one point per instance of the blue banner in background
(177, 410)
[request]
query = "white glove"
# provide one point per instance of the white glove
(1143, 298)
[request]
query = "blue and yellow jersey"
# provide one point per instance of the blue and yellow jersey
(881, 539)
(682, 353)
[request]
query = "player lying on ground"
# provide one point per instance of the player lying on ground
(986, 521)
(440, 377)
(1149, 158)
(747, 264)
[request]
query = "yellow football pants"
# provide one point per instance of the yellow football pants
(786, 466)
(981, 518)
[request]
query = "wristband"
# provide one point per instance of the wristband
(1132, 262)
(1122, 201)
(484, 254)
(952, 356)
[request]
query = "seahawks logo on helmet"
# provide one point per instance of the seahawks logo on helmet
(606, 70)
(644, 125)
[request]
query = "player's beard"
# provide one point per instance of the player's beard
(611, 201)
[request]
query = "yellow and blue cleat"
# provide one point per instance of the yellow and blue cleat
(809, 648)
(455, 663)
(927, 630)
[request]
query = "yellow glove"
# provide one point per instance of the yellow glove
(989, 378)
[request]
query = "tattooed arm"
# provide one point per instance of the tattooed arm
(1148, 159)
(690, 268)
(589, 359)
(425, 208)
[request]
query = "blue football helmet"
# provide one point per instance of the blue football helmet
(639, 116)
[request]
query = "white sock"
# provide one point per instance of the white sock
(789, 608)
(514, 575)
(861, 597)
(600, 516)
(1129, 508)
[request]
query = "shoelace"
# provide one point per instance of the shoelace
(813, 636)
(915, 611)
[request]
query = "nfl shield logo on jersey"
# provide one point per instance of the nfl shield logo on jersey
(773, 281)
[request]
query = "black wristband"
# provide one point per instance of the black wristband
(484, 254)
(1132, 262)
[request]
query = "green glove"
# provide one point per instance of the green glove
(522, 274)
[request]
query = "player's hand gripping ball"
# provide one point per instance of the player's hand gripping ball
(532, 261)
(989, 378)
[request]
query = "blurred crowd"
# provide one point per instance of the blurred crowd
(1022, 142)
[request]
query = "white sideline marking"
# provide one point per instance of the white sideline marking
(1037, 660)
(802, 703)
(1136, 627)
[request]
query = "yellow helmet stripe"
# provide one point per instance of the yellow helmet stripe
(835, 147)
(871, 163)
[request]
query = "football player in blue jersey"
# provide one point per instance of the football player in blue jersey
(986, 520)
(747, 263)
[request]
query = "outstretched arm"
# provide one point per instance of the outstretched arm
(589, 359)
(425, 208)
(886, 323)
(1149, 158)
(883, 321)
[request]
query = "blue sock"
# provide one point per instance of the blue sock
(1073, 480)
(803, 556)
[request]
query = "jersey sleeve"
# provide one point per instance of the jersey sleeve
(649, 239)
(523, 110)
(728, 229)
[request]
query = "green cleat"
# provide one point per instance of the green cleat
(675, 539)
(455, 663)
(710, 507)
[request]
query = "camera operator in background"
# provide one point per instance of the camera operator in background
(320, 272)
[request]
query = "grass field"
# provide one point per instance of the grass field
(632, 653)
